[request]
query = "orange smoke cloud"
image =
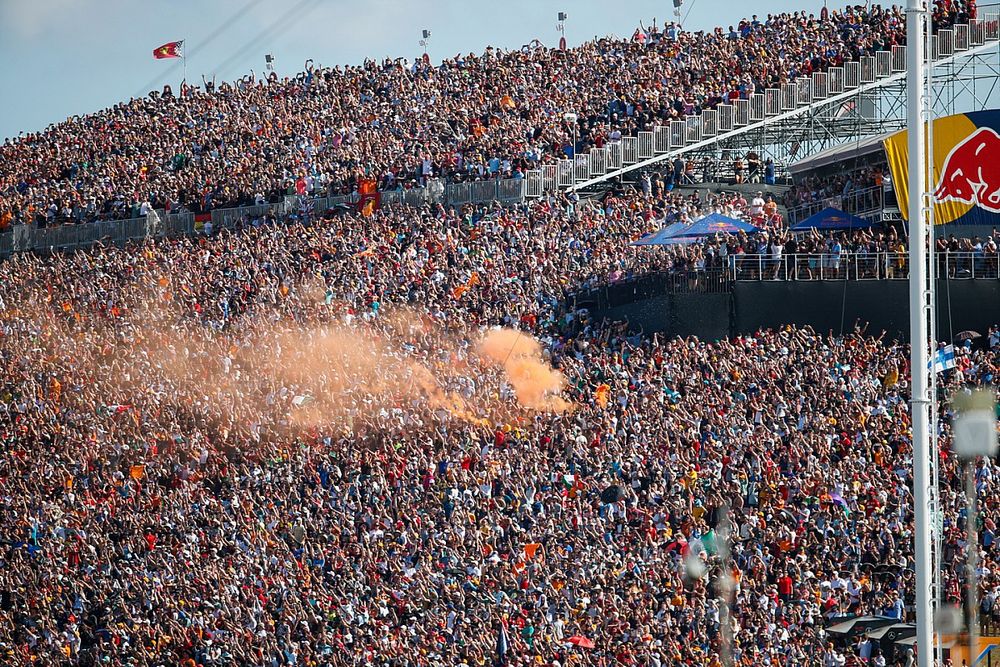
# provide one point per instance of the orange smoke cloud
(536, 384)
(344, 375)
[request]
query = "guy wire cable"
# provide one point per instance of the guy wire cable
(276, 28)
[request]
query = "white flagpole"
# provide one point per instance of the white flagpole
(920, 291)
(184, 58)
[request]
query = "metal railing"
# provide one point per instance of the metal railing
(506, 190)
(648, 285)
(858, 266)
(820, 86)
(230, 217)
(965, 265)
(814, 266)
(757, 109)
(837, 80)
(23, 238)
(856, 202)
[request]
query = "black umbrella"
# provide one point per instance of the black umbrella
(612, 494)
(968, 335)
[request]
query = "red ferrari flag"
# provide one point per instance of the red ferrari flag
(169, 50)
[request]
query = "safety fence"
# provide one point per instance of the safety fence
(813, 266)
(864, 203)
(505, 191)
(858, 266)
(647, 286)
(722, 278)
(21, 238)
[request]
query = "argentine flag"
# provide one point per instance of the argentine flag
(944, 359)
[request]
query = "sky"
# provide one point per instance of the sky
(66, 57)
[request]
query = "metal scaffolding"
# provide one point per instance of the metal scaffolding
(844, 104)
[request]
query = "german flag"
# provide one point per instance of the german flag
(169, 50)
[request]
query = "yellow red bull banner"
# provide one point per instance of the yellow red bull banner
(966, 176)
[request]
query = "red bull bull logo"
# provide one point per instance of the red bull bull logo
(971, 172)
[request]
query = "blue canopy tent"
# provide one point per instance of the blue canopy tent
(665, 236)
(831, 219)
(716, 223)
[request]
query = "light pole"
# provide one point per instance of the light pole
(975, 435)
(570, 118)
(425, 43)
(561, 27)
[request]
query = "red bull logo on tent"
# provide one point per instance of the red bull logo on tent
(966, 168)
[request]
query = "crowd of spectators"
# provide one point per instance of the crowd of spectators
(470, 117)
(293, 443)
(859, 189)
(234, 449)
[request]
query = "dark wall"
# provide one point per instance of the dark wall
(884, 304)
(967, 304)
(704, 315)
(824, 305)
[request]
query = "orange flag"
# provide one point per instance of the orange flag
(530, 549)
(601, 394)
(462, 289)
(136, 472)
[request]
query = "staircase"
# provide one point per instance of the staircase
(835, 86)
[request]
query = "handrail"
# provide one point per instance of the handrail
(854, 202)
(27, 237)
(22, 238)
(799, 267)
(963, 265)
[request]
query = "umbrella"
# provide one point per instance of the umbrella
(859, 625)
(581, 641)
(968, 335)
(831, 219)
(663, 236)
(714, 223)
(612, 494)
